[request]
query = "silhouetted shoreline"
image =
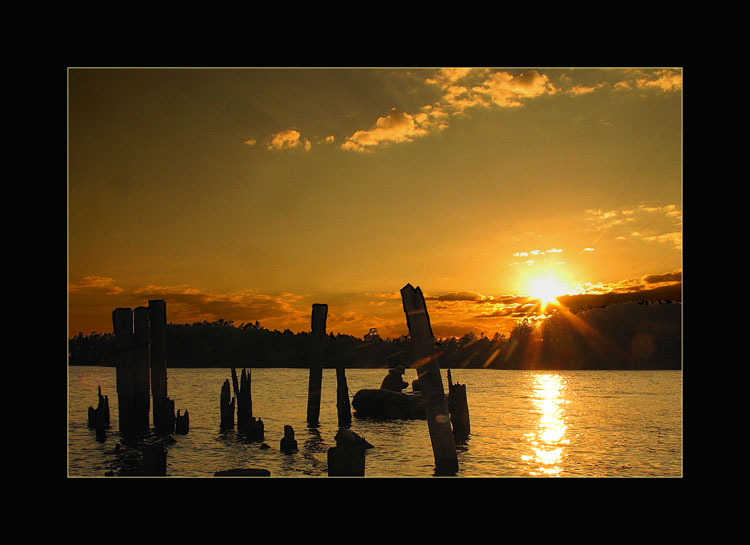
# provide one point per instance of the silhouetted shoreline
(620, 336)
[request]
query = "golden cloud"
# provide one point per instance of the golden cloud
(506, 90)
(396, 126)
(289, 138)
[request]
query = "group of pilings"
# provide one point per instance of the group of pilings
(447, 418)
(343, 407)
(247, 425)
(141, 371)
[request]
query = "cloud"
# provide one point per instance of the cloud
(508, 91)
(98, 283)
(675, 276)
(289, 138)
(458, 296)
(578, 90)
(250, 142)
(645, 223)
(663, 80)
(461, 89)
(396, 126)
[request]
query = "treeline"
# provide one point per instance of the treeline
(621, 336)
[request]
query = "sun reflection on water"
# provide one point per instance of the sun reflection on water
(548, 440)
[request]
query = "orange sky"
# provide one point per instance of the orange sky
(250, 194)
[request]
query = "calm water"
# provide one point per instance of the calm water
(523, 423)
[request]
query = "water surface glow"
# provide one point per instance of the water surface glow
(523, 424)
(548, 440)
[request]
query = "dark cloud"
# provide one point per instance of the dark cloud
(576, 302)
(666, 277)
(456, 296)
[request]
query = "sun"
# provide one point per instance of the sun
(546, 289)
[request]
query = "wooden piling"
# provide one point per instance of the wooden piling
(142, 383)
(347, 458)
(252, 428)
(122, 320)
(167, 418)
(288, 443)
(430, 382)
(154, 460)
(343, 408)
(182, 423)
(459, 410)
(157, 314)
(226, 407)
(244, 402)
(319, 315)
(99, 417)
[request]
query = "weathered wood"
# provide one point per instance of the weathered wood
(319, 315)
(157, 315)
(154, 460)
(459, 410)
(288, 443)
(226, 407)
(182, 423)
(347, 458)
(122, 320)
(254, 429)
(244, 401)
(343, 407)
(167, 418)
(431, 384)
(142, 383)
(99, 417)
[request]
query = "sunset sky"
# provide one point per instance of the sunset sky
(250, 194)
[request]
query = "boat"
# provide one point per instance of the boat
(387, 404)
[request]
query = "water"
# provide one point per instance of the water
(523, 424)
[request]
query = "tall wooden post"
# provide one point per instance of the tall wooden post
(430, 381)
(459, 408)
(319, 315)
(157, 313)
(141, 385)
(122, 320)
(226, 407)
(343, 407)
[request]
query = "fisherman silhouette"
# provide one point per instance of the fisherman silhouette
(393, 380)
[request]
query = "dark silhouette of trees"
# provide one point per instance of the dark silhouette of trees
(620, 336)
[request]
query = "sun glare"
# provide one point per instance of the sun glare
(546, 289)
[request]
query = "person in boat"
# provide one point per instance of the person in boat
(394, 379)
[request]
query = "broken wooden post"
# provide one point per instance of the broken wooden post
(459, 410)
(247, 425)
(182, 423)
(347, 458)
(122, 320)
(157, 314)
(99, 417)
(430, 382)
(142, 383)
(154, 460)
(343, 407)
(288, 443)
(319, 315)
(226, 407)
(168, 418)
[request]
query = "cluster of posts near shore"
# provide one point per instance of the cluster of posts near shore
(141, 377)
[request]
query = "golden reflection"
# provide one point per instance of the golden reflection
(548, 441)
